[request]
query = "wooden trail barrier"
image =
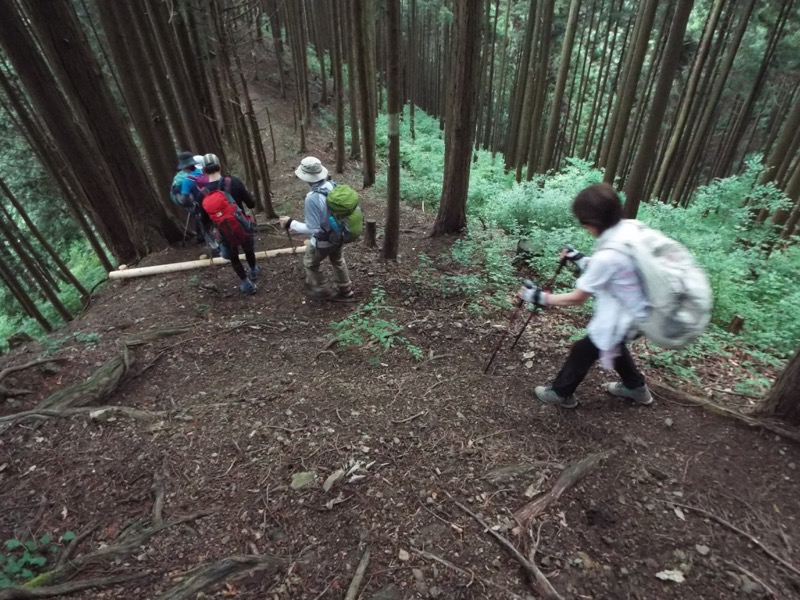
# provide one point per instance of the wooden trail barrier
(125, 273)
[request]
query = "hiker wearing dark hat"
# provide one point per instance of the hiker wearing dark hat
(186, 192)
(316, 220)
(610, 275)
(225, 199)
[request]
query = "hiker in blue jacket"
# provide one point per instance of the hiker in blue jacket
(316, 222)
(610, 276)
(186, 192)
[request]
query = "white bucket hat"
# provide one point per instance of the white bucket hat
(198, 161)
(311, 170)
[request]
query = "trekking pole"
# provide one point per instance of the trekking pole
(535, 310)
(518, 304)
(186, 227)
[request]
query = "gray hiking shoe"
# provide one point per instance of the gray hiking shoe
(546, 395)
(640, 395)
(321, 294)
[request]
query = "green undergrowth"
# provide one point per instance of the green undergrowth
(21, 560)
(752, 274)
(372, 323)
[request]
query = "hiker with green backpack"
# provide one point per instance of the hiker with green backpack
(643, 283)
(333, 218)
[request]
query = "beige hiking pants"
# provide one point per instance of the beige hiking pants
(316, 279)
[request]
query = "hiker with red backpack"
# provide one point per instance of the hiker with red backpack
(332, 218)
(224, 200)
(643, 282)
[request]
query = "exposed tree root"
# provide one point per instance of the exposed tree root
(540, 583)
(99, 386)
(352, 591)
(10, 392)
(24, 593)
(126, 544)
(41, 361)
(727, 412)
(95, 413)
(219, 571)
(568, 478)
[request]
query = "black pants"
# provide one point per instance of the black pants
(232, 254)
(581, 358)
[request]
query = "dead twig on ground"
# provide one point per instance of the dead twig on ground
(540, 583)
(9, 392)
(208, 575)
(352, 591)
(464, 572)
(764, 548)
(727, 412)
(25, 593)
(411, 418)
(94, 412)
(158, 499)
(754, 577)
(568, 478)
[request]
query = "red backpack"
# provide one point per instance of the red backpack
(234, 226)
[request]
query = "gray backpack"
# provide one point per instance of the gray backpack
(677, 290)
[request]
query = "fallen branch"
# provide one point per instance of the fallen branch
(219, 571)
(727, 412)
(411, 418)
(41, 361)
(158, 499)
(540, 582)
(197, 264)
(69, 551)
(352, 591)
(23, 593)
(764, 548)
(568, 478)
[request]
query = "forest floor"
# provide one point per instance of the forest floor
(252, 398)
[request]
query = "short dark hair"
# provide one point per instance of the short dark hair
(212, 169)
(598, 205)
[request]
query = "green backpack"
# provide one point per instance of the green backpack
(346, 219)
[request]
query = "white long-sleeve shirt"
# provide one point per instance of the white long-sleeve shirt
(315, 212)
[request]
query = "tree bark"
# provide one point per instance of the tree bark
(634, 186)
(460, 122)
(362, 25)
(783, 400)
(391, 234)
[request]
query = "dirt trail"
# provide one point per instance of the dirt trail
(248, 411)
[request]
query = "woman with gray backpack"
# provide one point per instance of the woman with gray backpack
(642, 282)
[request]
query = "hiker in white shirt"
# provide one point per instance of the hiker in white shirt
(610, 276)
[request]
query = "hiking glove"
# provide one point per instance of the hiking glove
(533, 294)
(576, 257)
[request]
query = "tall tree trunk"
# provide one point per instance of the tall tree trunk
(460, 122)
(625, 96)
(634, 186)
(561, 82)
(783, 400)
(11, 281)
(362, 25)
(391, 234)
(515, 109)
(77, 146)
(62, 266)
(338, 82)
(346, 8)
(689, 97)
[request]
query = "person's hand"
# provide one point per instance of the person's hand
(576, 257)
(285, 222)
(532, 293)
